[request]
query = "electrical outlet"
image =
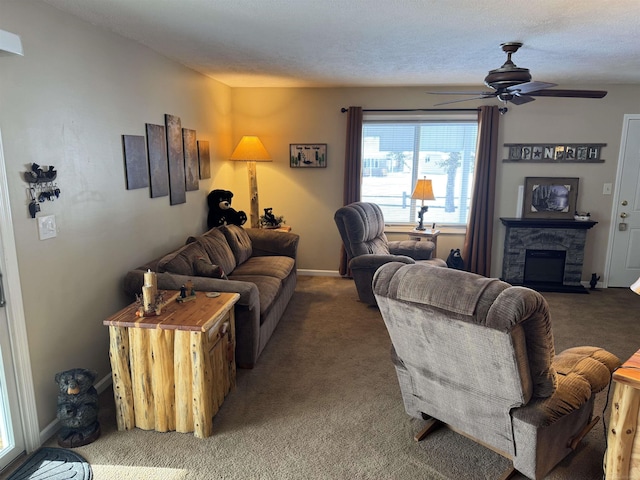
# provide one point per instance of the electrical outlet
(47, 227)
(606, 189)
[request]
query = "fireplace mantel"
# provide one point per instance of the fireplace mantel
(547, 223)
(526, 234)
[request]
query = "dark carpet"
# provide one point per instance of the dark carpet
(53, 464)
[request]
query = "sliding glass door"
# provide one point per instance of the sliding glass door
(11, 438)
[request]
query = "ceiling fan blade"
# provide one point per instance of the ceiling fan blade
(464, 100)
(570, 93)
(525, 88)
(521, 99)
(460, 93)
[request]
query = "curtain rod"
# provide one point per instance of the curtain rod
(344, 110)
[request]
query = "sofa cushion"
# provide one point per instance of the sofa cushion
(273, 266)
(203, 267)
(268, 289)
(181, 261)
(217, 249)
(239, 242)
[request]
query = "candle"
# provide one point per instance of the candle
(151, 280)
(148, 298)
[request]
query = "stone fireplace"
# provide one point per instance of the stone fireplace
(546, 255)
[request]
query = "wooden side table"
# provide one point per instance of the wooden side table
(173, 371)
(622, 459)
(427, 234)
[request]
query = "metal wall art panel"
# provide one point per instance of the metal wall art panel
(158, 170)
(175, 155)
(135, 161)
(190, 159)
(203, 159)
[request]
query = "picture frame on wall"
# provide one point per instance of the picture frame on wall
(550, 197)
(308, 155)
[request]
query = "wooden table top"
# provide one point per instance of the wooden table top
(196, 315)
(629, 372)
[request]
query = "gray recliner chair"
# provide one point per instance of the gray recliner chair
(361, 226)
(477, 354)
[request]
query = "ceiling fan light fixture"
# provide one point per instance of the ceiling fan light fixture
(511, 83)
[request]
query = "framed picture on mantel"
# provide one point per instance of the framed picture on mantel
(550, 197)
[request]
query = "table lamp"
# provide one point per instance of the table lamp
(635, 286)
(423, 191)
(251, 150)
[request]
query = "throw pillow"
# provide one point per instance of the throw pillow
(204, 268)
(181, 261)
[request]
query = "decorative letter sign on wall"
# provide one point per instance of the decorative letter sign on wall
(554, 153)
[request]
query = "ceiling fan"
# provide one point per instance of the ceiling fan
(511, 83)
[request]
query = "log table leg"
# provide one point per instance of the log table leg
(623, 445)
(202, 386)
(183, 374)
(122, 391)
(163, 380)
(141, 363)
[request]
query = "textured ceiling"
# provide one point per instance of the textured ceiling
(246, 43)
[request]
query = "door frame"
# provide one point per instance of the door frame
(616, 194)
(16, 318)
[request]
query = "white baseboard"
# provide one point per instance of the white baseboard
(318, 273)
(51, 429)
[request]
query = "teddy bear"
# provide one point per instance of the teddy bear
(220, 210)
(77, 407)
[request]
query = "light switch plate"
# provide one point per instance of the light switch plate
(47, 227)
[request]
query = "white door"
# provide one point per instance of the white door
(19, 430)
(625, 223)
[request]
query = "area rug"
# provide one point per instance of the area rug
(53, 464)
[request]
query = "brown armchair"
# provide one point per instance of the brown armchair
(361, 226)
(477, 354)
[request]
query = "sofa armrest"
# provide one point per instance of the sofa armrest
(422, 250)
(249, 296)
(265, 242)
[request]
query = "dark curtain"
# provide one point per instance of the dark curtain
(478, 241)
(352, 170)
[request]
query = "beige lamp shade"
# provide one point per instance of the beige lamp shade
(250, 149)
(423, 190)
(636, 286)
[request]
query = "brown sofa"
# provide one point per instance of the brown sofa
(258, 264)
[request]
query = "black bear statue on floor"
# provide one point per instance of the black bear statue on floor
(220, 210)
(77, 408)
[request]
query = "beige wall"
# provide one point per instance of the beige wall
(78, 89)
(66, 103)
(308, 198)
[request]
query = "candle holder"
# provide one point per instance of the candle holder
(150, 300)
(151, 309)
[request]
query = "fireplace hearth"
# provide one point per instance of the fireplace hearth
(545, 255)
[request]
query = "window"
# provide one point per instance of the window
(398, 150)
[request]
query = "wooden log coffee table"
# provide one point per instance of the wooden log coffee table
(622, 459)
(173, 371)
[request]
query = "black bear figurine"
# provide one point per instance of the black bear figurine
(454, 260)
(77, 408)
